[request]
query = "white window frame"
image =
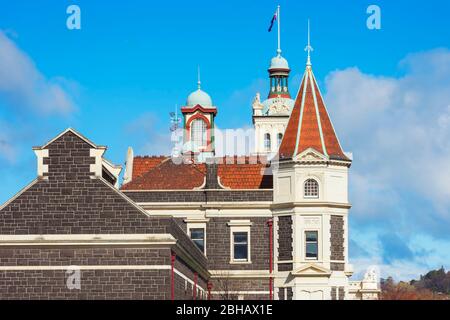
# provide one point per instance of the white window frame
(243, 226)
(196, 225)
(318, 246)
(204, 134)
(304, 188)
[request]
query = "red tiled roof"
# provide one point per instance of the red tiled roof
(244, 176)
(309, 125)
(144, 164)
(169, 176)
(234, 172)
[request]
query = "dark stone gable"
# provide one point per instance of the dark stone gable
(69, 199)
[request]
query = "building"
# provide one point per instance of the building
(268, 226)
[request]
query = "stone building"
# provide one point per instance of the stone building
(272, 225)
(71, 219)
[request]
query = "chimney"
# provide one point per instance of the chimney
(212, 181)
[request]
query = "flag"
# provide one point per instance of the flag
(275, 17)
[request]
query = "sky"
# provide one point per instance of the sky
(132, 62)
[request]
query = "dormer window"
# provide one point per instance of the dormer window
(311, 189)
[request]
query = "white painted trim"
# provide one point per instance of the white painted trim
(202, 186)
(305, 79)
(197, 224)
(97, 166)
(186, 279)
(41, 167)
(240, 228)
(239, 223)
(239, 273)
(115, 170)
(86, 239)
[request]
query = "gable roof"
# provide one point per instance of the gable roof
(309, 125)
(71, 130)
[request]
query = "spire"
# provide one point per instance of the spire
(309, 125)
(198, 77)
(279, 32)
(308, 47)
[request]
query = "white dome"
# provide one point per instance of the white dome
(199, 97)
(279, 62)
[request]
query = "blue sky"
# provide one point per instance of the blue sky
(117, 78)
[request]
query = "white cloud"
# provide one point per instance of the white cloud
(149, 135)
(398, 130)
(23, 86)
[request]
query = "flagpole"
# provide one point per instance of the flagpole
(279, 33)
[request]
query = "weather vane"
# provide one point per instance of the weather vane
(174, 120)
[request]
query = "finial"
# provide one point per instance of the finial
(308, 47)
(198, 81)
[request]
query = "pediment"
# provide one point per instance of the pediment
(311, 270)
(310, 154)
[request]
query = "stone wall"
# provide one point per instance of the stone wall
(69, 199)
(285, 242)
(218, 245)
(337, 242)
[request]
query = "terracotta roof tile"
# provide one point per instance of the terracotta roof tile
(309, 125)
(144, 164)
(169, 176)
(234, 172)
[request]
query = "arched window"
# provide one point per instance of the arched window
(279, 138)
(311, 189)
(198, 133)
(267, 142)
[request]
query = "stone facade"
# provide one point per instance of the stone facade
(70, 217)
(285, 242)
(135, 244)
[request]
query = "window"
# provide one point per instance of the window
(311, 245)
(240, 241)
(311, 188)
(267, 142)
(280, 138)
(198, 133)
(198, 236)
(240, 246)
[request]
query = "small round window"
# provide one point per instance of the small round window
(311, 188)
